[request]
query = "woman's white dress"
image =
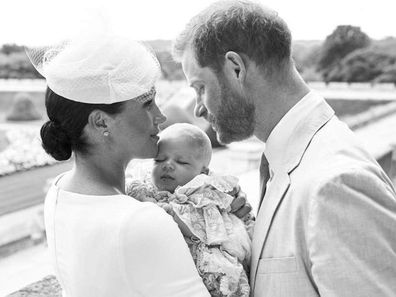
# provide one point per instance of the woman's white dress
(117, 246)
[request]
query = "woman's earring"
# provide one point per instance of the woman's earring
(106, 133)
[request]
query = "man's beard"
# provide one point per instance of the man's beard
(235, 120)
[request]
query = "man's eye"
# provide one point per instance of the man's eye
(199, 90)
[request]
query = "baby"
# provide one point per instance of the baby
(184, 151)
(219, 242)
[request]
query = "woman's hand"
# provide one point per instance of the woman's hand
(240, 207)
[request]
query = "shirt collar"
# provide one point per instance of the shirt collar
(290, 130)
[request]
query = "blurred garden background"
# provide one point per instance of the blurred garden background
(355, 72)
(347, 54)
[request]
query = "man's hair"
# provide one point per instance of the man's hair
(241, 26)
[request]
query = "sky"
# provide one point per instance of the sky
(40, 22)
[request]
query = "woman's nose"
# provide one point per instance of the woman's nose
(160, 117)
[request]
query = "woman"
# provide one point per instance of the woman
(101, 107)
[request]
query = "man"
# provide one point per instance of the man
(327, 220)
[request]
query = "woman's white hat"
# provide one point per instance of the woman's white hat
(100, 70)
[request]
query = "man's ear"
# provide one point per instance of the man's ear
(99, 121)
(234, 67)
(205, 170)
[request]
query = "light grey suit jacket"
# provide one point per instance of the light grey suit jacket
(327, 223)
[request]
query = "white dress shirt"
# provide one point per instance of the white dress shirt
(281, 134)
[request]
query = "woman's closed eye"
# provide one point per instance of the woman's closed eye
(148, 104)
(157, 160)
(182, 162)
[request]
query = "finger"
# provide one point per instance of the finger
(243, 211)
(242, 194)
(235, 191)
(238, 203)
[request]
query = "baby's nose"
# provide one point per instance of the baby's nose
(167, 166)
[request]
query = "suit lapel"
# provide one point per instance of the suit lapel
(273, 197)
(314, 118)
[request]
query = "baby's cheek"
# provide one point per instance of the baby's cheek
(155, 174)
(184, 178)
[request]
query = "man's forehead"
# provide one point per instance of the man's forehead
(190, 66)
(193, 71)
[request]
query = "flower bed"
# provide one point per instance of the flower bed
(46, 287)
(23, 151)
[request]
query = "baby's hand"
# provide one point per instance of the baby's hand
(140, 191)
(162, 196)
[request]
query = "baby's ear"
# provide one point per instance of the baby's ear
(205, 170)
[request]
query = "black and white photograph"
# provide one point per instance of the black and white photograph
(229, 148)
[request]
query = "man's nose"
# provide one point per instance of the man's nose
(200, 110)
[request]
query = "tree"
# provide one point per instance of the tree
(171, 70)
(388, 75)
(374, 63)
(343, 40)
(305, 53)
(12, 48)
(14, 63)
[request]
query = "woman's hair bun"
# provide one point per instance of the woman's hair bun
(55, 141)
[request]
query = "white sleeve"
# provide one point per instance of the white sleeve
(156, 258)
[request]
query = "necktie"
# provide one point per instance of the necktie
(264, 177)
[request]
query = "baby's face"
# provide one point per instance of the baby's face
(176, 164)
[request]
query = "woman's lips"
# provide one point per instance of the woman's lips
(155, 137)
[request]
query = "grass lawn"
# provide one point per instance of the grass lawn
(350, 107)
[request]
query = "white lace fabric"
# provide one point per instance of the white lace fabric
(101, 70)
(219, 242)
